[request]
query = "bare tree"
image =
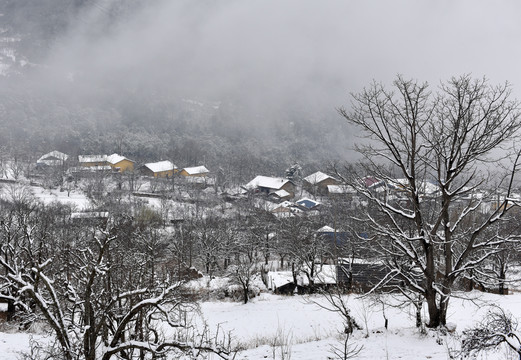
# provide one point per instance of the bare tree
(442, 140)
(209, 246)
(493, 275)
(335, 300)
(306, 250)
(498, 327)
(261, 225)
(247, 263)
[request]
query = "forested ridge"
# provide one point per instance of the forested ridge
(43, 107)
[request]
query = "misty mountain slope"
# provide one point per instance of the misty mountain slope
(150, 129)
(28, 30)
(148, 79)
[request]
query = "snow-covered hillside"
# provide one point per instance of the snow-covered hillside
(304, 331)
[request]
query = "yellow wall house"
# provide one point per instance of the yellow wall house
(197, 171)
(114, 161)
(162, 169)
(120, 163)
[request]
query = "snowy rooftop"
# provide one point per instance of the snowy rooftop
(425, 187)
(340, 189)
(317, 177)
(52, 157)
(325, 274)
(370, 181)
(277, 279)
(196, 170)
(112, 159)
(285, 208)
(116, 158)
(161, 166)
(89, 169)
(281, 193)
(92, 158)
(266, 182)
(429, 188)
(326, 229)
(284, 204)
(308, 203)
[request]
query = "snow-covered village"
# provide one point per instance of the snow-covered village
(260, 180)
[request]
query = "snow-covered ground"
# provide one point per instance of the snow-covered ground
(313, 331)
(310, 331)
(76, 199)
(17, 189)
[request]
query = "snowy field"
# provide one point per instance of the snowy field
(74, 198)
(312, 330)
(77, 199)
(309, 331)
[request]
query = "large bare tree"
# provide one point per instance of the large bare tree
(429, 153)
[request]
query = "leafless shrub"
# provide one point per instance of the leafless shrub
(497, 327)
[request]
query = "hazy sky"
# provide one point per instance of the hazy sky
(306, 51)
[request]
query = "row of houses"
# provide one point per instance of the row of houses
(317, 183)
(119, 163)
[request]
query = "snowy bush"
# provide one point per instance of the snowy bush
(235, 292)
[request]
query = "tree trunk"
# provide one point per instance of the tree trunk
(437, 312)
(430, 292)
(502, 277)
(444, 305)
(432, 306)
(89, 338)
(11, 310)
(246, 297)
(311, 285)
(418, 305)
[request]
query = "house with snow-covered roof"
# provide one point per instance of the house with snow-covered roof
(92, 160)
(307, 204)
(160, 169)
(340, 190)
(424, 188)
(285, 282)
(280, 282)
(286, 208)
(371, 182)
(196, 171)
(115, 161)
(53, 158)
(280, 195)
(317, 183)
(120, 163)
(269, 185)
